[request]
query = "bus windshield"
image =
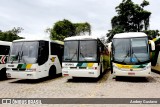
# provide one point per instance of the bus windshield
(88, 51)
(83, 50)
(130, 50)
(24, 52)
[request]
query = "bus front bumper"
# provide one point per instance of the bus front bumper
(21, 75)
(143, 73)
(80, 73)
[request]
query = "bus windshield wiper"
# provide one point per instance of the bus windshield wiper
(22, 56)
(15, 57)
(126, 56)
(73, 56)
(136, 57)
(19, 57)
(83, 56)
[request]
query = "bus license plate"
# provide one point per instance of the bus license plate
(131, 73)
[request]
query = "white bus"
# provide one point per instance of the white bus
(34, 59)
(4, 51)
(131, 54)
(84, 56)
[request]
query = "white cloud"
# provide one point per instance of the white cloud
(34, 16)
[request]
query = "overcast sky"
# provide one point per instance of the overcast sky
(34, 16)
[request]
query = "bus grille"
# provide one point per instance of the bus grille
(16, 69)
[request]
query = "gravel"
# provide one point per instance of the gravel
(66, 87)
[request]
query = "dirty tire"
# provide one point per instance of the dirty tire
(52, 72)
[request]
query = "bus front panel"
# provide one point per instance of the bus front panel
(22, 71)
(142, 70)
(80, 69)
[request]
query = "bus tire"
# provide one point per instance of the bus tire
(3, 73)
(52, 71)
(101, 71)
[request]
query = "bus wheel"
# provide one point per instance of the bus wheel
(101, 70)
(52, 72)
(3, 73)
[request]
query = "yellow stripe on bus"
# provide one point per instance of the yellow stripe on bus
(28, 66)
(90, 64)
(124, 66)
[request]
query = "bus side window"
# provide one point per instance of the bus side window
(57, 49)
(5, 50)
(43, 52)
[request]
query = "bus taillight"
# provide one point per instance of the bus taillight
(65, 74)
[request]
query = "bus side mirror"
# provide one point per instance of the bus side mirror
(152, 45)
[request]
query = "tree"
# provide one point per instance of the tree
(103, 40)
(11, 34)
(152, 33)
(130, 17)
(66, 28)
(144, 3)
(115, 30)
(82, 28)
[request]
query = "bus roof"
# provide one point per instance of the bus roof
(29, 40)
(87, 37)
(5, 43)
(130, 35)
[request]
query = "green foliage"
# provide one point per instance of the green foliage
(115, 30)
(65, 28)
(82, 28)
(11, 34)
(144, 3)
(152, 33)
(130, 17)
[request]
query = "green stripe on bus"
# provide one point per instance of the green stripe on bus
(19, 65)
(23, 66)
(79, 64)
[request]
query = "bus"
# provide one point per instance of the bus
(34, 59)
(130, 55)
(4, 51)
(84, 56)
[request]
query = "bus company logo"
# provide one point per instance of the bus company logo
(53, 59)
(6, 101)
(21, 101)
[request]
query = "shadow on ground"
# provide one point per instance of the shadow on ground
(135, 79)
(101, 78)
(5, 79)
(35, 81)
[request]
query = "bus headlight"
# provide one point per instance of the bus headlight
(114, 66)
(147, 67)
(64, 67)
(8, 69)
